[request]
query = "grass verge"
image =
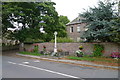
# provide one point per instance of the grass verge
(96, 59)
(81, 58)
(31, 53)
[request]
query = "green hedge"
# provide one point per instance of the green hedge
(29, 40)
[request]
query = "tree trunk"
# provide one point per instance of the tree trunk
(21, 47)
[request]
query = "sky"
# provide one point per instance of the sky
(72, 8)
(69, 8)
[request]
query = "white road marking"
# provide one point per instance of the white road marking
(37, 61)
(25, 62)
(48, 71)
(45, 70)
(11, 62)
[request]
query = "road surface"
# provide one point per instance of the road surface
(21, 67)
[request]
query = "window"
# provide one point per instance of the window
(71, 29)
(78, 39)
(78, 29)
(80, 20)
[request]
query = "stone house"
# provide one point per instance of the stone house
(75, 29)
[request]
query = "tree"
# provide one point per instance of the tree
(99, 22)
(115, 37)
(21, 13)
(32, 16)
(63, 20)
(119, 8)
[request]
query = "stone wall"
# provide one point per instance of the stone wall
(7, 48)
(72, 47)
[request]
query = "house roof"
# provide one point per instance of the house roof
(76, 20)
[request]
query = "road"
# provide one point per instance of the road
(20, 67)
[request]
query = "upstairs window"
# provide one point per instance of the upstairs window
(80, 20)
(71, 29)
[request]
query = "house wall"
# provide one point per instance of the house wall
(72, 47)
(74, 35)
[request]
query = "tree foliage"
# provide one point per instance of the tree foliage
(32, 16)
(115, 37)
(63, 20)
(100, 22)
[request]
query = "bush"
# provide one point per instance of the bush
(98, 49)
(36, 48)
(115, 55)
(62, 40)
(29, 40)
(79, 53)
(81, 47)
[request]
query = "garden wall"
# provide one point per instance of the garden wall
(7, 48)
(72, 47)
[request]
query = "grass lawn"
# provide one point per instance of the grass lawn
(31, 53)
(99, 60)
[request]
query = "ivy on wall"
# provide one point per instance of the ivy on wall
(98, 49)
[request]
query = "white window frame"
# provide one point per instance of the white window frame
(78, 29)
(78, 39)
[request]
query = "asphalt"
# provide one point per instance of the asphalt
(0, 66)
(21, 67)
(82, 63)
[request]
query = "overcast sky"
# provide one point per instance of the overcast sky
(71, 8)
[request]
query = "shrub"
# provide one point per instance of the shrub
(115, 55)
(36, 48)
(60, 50)
(79, 53)
(62, 40)
(81, 47)
(98, 49)
(29, 40)
(44, 48)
